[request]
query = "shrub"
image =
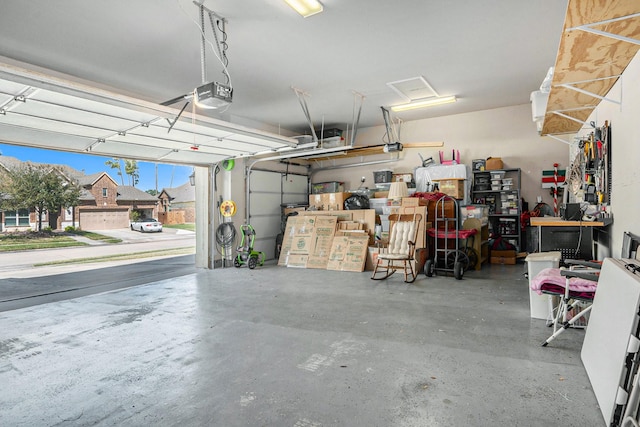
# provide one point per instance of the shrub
(135, 215)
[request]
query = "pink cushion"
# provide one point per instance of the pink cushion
(552, 276)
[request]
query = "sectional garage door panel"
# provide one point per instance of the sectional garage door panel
(295, 189)
(267, 193)
(265, 238)
(104, 219)
(265, 203)
(265, 181)
(265, 210)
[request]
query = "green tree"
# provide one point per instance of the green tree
(133, 171)
(116, 163)
(42, 188)
(152, 191)
(4, 185)
(126, 167)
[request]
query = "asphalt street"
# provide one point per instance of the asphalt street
(23, 284)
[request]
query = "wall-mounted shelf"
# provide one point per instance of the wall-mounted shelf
(599, 39)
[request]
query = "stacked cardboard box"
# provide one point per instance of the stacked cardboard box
(503, 257)
(452, 187)
(328, 201)
(366, 217)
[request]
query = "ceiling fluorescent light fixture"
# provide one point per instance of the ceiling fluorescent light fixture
(305, 8)
(423, 103)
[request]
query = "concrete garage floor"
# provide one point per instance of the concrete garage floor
(287, 347)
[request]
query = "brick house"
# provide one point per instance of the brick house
(103, 204)
(178, 204)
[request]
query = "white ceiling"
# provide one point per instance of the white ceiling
(490, 53)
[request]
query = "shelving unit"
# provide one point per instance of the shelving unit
(500, 191)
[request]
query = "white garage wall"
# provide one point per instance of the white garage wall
(507, 132)
(510, 133)
(625, 135)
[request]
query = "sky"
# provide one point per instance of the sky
(168, 175)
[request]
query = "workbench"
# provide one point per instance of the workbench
(574, 239)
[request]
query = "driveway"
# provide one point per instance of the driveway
(71, 282)
(127, 235)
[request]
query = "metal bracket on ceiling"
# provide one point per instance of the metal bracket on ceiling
(358, 101)
(589, 29)
(559, 139)
(302, 98)
(595, 95)
(219, 46)
(174, 121)
(167, 154)
(91, 146)
(16, 100)
(392, 136)
(566, 116)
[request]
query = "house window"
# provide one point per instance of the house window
(16, 218)
(104, 192)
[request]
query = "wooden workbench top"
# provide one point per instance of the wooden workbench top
(559, 222)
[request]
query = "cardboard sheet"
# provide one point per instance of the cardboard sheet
(348, 253)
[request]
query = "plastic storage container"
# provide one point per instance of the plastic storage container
(382, 176)
(327, 187)
(539, 304)
(480, 212)
(378, 204)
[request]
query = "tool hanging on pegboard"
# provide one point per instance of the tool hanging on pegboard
(555, 189)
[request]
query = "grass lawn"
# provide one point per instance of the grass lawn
(96, 236)
(190, 227)
(30, 240)
(137, 255)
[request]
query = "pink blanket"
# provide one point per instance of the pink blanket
(552, 276)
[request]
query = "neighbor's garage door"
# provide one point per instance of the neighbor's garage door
(269, 190)
(104, 219)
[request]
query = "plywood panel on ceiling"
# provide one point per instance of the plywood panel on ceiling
(588, 61)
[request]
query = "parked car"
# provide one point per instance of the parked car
(146, 225)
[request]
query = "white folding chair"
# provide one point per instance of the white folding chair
(574, 286)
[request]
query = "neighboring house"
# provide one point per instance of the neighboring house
(103, 204)
(178, 204)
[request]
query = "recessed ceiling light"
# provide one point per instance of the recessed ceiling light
(305, 8)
